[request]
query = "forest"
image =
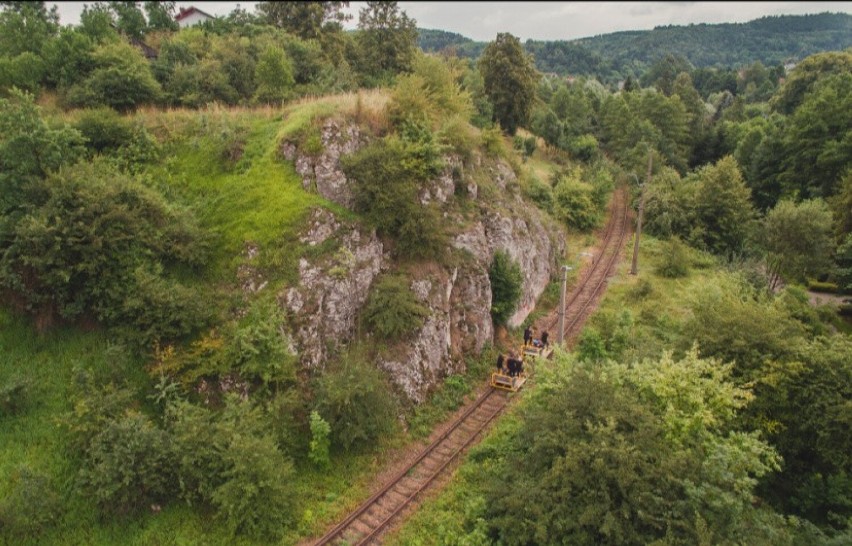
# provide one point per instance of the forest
(772, 41)
(217, 241)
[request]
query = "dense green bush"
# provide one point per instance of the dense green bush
(354, 399)
(613, 454)
(540, 193)
(94, 243)
(389, 175)
(104, 129)
(257, 348)
(805, 406)
(30, 506)
(392, 312)
(122, 79)
(24, 71)
(734, 323)
(228, 459)
(128, 143)
(252, 346)
(574, 204)
(827, 287)
(429, 91)
(320, 441)
(29, 150)
(128, 465)
(584, 148)
(274, 76)
(506, 286)
(254, 497)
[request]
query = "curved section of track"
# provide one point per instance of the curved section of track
(365, 525)
(578, 305)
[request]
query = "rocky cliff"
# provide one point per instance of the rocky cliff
(331, 292)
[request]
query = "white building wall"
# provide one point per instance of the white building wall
(193, 19)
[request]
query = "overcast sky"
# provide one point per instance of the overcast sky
(482, 21)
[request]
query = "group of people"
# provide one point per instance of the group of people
(530, 340)
(512, 365)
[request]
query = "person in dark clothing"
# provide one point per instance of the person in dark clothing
(527, 336)
(500, 360)
(512, 364)
(544, 338)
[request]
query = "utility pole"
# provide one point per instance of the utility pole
(565, 270)
(634, 268)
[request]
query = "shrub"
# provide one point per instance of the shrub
(574, 204)
(584, 148)
(129, 465)
(355, 400)
(320, 441)
(540, 193)
(121, 79)
(274, 76)
(674, 262)
(14, 393)
(24, 71)
(94, 405)
(590, 346)
(430, 91)
(459, 136)
(388, 175)
(30, 506)
(492, 141)
(104, 129)
(94, 243)
(506, 283)
(258, 349)
(198, 444)
(393, 311)
(530, 144)
(826, 287)
(142, 149)
(254, 498)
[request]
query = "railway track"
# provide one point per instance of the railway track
(367, 523)
(578, 305)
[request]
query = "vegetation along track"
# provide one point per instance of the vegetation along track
(366, 524)
(578, 305)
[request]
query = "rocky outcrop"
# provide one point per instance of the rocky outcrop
(459, 323)
(330, 293)
(527, 236)
(322, 172)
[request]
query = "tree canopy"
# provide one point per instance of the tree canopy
(510, 81)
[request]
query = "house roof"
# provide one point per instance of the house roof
(186, 12)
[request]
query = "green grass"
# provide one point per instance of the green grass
(259, 201)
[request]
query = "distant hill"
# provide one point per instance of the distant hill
(770, 40)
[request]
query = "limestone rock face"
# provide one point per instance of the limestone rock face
(526, 235)
(323, 172)
(332, 290)
(459, 323)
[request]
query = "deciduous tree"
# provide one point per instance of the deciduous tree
(510, 81)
